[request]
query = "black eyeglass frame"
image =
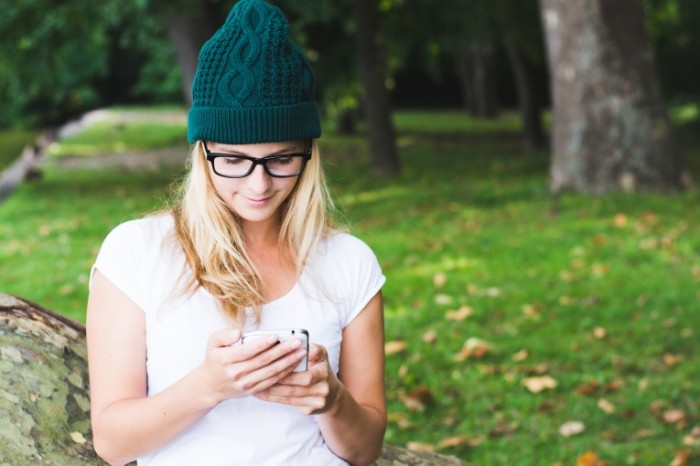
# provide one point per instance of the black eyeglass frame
(306, 156)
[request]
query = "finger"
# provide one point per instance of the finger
(269, 349)
(224, 337)
(317, 353)
(270, 374)
(304, 378)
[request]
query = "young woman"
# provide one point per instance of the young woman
(249, 246)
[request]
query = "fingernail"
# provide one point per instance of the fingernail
(272, 339)
(301, 354)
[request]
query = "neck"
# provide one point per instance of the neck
(262, 234)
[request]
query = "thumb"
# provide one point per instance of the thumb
(224, 337)
(317, 353)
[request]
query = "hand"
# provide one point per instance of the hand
(233, 370)
(314, 391)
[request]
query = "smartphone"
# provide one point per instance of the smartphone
(285, 334)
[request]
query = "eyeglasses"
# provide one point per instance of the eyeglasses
(239, 166)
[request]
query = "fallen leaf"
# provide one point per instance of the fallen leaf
(430, 336)
(443, 299)
(571, 428)
(461, 441)
(520, 356)
(589, 458)
(644, 434)
(420, 446)
(538, 384)
(418, 399)
(394, 347)
(614, 386)
(503, 428)
(682, 458)
(473, 347)
(531, 311)
(620, 220)
(606, 406)
(439, 279)
(599, 333)
(493, 292)
(460, 314)
(588, 388)
(672, 359)
(78, 438)
(673, 416)
(693, 437)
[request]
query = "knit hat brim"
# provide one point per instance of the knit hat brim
(245, 125)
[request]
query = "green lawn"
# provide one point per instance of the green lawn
(598, 296)
(12, 142)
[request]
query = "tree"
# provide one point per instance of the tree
(380, 127)
(610, 129)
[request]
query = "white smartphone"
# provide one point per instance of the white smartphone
(285, 334)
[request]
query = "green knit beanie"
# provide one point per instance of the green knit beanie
(252, 84)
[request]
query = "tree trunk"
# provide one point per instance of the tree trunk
(44, 395)
(610, 127)
(464, 73)
(188, 30)
(380, 127)
(486, 99)
(44, 398)
(530, 110)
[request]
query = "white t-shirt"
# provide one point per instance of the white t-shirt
(143, 260)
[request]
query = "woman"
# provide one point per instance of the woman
(250, 245)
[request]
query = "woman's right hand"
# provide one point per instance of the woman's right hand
(234, 370)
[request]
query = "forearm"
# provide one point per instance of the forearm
(353, 431)
(130, 428)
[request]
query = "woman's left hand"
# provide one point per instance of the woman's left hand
(314, 391)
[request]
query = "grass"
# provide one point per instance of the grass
(11, 145)
(599, 294)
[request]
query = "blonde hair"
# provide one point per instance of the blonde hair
(211, 235)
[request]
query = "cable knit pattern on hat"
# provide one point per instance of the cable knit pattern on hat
(252, 84)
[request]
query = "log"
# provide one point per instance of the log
(44, 393)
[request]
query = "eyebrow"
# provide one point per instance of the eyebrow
(284, 151)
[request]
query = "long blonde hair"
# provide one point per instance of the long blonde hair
(212, 238)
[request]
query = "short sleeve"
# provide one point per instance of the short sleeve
(361, 274)
(120, 259)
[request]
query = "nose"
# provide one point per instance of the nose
(258, 181)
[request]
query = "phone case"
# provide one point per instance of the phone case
(285, 334)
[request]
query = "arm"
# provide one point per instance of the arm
(354, 427)
(126, 422)
(350, 409)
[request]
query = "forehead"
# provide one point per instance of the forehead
(257, 149)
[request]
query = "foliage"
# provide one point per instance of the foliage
(521, 329)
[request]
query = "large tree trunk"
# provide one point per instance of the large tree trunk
(380, 128)
(44, 395)
(188, 29)
(44, 398)
(530, 109)
(610, 129)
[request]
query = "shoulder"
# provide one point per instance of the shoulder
(340, 243)
(344, 254)
(147, 229)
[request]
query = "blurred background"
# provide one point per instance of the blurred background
(525, 171)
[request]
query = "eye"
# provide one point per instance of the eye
(232, 161)
(283, 160)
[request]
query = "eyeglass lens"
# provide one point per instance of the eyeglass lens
(277, 166)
